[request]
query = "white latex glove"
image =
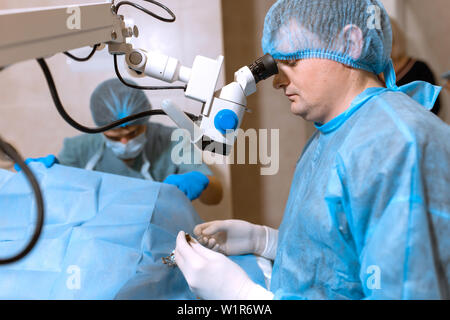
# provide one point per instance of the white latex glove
(236, 237)
(213, 276)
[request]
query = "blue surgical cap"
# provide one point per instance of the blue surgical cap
(112, 100)
(301, 29)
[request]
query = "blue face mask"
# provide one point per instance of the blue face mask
(127, 151)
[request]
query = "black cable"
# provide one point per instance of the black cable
(14, 156)
(80, 127)
(139, 7)
(94, 49)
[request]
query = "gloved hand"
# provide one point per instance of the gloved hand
(236, 237)
(48, 161)
(213, 276)
(191, 183)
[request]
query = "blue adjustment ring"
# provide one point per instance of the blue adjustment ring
(226, 120)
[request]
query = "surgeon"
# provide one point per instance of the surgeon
(139, 149)
(368, 215)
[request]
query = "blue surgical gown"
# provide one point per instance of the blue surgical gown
(103, 237)
(368, 215)
(79, 150)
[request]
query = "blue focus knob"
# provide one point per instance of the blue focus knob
(226, 120)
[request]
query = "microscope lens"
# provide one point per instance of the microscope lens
(263, 68)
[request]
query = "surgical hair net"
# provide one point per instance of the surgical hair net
(305, 29)
(112, 100)
(299, 29)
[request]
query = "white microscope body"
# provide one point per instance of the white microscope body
(223, 111)
(42, 32)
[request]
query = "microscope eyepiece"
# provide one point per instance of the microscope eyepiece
(263, 68)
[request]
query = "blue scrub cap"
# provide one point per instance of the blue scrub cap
(302, 29)
(299, 29)
(112, 101)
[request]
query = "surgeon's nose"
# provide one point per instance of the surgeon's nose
(124, 140)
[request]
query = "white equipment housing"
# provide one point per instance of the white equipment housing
(42, 32)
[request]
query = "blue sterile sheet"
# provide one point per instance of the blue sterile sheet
(103, 238)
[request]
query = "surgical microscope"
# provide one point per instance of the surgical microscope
(37, 33)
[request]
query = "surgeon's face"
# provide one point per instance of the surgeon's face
(314, 86)
(125, 134)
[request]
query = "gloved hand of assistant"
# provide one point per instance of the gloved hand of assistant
(236, 237)
(213, 276)
(191, 183)
(48, 161)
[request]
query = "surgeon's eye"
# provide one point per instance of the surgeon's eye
(132, 134)
(113, 138)
(289, 63)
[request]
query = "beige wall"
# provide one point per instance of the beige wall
(29, 119)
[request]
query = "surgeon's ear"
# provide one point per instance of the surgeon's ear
(353, 39)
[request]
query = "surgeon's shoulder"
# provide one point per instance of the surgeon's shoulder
(160, 130)
(84, 139)
(159, 135)
(410, 119)
(392, 124)
(82, 144)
